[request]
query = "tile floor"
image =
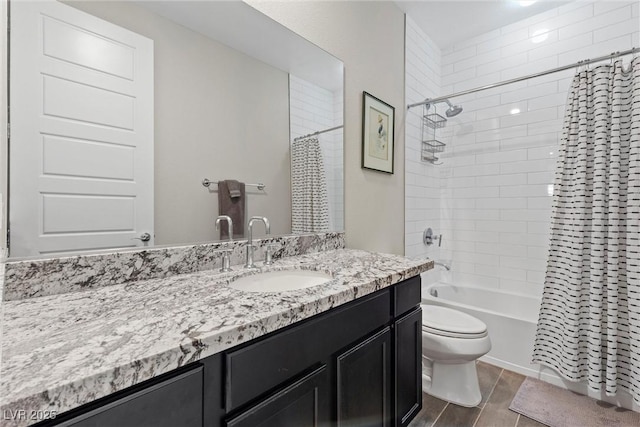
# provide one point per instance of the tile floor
(498, 387)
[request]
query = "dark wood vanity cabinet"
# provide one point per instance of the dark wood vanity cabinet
(408, 361)
(171, 400)
(303, 403)
(364, 377)
(355, 365)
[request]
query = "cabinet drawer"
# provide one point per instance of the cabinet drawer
(257, 368)
(174, 402)
(406, 296)
(305, 403)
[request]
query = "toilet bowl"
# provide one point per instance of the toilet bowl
(451, 343)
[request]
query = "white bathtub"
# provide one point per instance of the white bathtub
(511, 319)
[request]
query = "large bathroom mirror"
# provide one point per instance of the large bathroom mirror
(232, 90)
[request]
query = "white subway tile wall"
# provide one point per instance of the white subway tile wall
(422, 180)
(314, 109)
(496, 180)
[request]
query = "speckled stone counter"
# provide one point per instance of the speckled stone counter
(42, 277)
(61, 351)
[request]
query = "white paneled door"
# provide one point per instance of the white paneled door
(81, 146)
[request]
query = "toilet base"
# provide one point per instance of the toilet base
(455, 383)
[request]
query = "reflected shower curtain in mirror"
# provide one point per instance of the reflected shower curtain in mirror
(309, 201)
(589, 325)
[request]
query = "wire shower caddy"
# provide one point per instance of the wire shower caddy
(431, 146)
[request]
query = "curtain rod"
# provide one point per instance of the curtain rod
(530, 76)
(318, 132)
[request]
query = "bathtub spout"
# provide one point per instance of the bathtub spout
(444, 265)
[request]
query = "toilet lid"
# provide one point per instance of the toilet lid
(452, 323)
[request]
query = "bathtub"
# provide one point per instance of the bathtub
(511, 320)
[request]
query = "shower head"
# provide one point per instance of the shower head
(453, 110)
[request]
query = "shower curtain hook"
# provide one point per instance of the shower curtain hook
(614, 55)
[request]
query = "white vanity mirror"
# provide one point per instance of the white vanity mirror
(224, 92)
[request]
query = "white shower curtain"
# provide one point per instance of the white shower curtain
(309, 201)
(589, 325)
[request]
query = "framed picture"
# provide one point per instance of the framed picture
(377, 134)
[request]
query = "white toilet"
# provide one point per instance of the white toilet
(451, 343)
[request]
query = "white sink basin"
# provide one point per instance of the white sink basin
(278, 281)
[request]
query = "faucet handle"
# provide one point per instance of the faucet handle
(268, 258)
(428, 237)
(222, 250)
(226, 259)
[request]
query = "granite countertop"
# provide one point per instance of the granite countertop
(61, 351)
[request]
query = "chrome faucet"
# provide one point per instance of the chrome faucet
(229, 225)
(226, 253)
(249, 263)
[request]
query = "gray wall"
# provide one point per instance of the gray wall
(369, 38)
(218, 114)
(3, 125)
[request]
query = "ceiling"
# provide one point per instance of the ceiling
(450, 22)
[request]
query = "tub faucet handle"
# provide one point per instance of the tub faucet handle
(428, 237)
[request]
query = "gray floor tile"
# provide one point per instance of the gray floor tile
(493, 411)
(431, 408)
(528, 422)
(458, 416)
(496, 411)
(487, 377)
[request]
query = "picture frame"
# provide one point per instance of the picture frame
(378, 120)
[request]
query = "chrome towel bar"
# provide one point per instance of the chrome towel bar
(206, 183)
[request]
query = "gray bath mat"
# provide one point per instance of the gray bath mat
(557, 407)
